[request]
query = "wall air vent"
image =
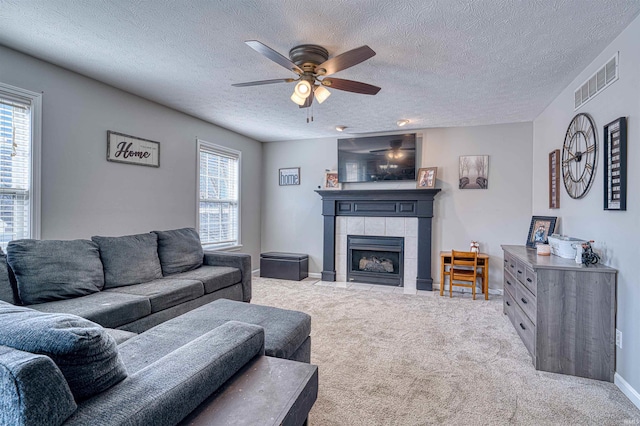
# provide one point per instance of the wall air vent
(597, 82)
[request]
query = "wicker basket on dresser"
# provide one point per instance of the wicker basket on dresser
(564, 312)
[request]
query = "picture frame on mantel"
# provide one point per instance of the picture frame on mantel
(330, 181)
(540, 229)
(426, 178)
(615, 165)
(129, 149)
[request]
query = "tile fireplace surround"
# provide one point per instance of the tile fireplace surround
(397, 213)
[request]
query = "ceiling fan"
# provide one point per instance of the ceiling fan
(394, 150)
(312, 65)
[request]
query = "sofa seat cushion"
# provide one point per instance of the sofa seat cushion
(47, 270)
(105, 308)
(33, 390)
(179, 250)
(214, 278)
(165, 292)
(120, 336)
(130, 259)
(84, 352)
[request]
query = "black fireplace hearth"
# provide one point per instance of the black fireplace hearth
(375, 259)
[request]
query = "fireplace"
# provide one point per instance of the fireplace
(375, 259)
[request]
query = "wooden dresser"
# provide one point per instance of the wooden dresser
(564, 312)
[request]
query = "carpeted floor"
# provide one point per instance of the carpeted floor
(394, 359)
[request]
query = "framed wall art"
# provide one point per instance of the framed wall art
(615, 165)
(541, 227)
(474, 171)
(127, 149)
(554, 179)
(289, 176)
(426, 178)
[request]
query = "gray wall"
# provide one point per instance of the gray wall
(84, 195)
(291, 216)
(614, 233)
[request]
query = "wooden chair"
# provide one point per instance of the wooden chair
(464, 267)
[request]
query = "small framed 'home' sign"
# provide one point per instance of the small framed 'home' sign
(123, 148)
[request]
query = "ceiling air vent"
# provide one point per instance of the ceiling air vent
(597, 82)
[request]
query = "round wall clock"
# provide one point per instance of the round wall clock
(579, 156)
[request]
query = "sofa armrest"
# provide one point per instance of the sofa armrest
(33, 391)
(236, 260)
(166, 391)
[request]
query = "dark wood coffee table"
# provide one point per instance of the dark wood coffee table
(267, 391)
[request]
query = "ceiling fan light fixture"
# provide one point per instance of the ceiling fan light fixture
(321, 94)
(303, 89)
(341, 128)
(402, 122)
(297, 99)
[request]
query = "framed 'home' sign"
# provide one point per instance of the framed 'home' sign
(127, 149)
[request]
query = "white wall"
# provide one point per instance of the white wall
(615, 232)
(292, 220)
(84, 195)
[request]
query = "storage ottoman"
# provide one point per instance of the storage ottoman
(285, 266)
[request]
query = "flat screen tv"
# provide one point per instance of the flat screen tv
(377, 158)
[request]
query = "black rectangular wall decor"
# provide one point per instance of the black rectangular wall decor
(615, 165)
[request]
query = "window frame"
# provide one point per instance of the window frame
(223, 150)
(35, 99)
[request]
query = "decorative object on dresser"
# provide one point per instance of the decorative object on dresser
(615, 165)
(127, 149)
(289, 176)
(541, 227)
(474, 172)
(579, 156)
(554, 179)
(427, 178)
(563, 312)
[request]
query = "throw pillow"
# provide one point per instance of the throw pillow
(83, 351)
(7, 291)
(179, 250)
(128, 260)
(47, 270)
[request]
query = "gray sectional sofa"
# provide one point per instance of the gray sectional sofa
(132, 282)
(128, 330)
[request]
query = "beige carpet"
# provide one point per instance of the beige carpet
(394, 359)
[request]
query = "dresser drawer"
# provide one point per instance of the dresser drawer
(509, 284)
(531, 281)
(509, 307)
(520, 268)
(510, 264)
(526, 330)
(526, 301)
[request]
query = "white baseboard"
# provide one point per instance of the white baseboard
(315, 275)
(627, 389)
(256, 272)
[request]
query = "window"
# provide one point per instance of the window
(19, 164)
(219, 194)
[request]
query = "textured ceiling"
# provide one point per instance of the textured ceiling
(439, 63)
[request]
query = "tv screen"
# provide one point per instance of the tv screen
(377, 158)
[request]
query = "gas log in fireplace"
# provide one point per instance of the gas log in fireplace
(375, 259)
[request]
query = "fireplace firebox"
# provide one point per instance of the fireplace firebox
(375, 259)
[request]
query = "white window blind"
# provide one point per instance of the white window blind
(218, 205)
(15, 168)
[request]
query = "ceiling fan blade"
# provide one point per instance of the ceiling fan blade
(351, 86)
(273, 55)
(258, 83)
(345, 60)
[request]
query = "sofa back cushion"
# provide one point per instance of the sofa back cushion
(47, 270)
(179, 250)
(128, 260)
(7, 291)
(34, 391)
(83, 351)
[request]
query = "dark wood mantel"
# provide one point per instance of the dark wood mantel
(381, 203)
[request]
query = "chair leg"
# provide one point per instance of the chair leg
(473, 290)
(450, 287)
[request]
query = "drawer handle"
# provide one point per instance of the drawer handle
(523, 300)
(529, 280)
(507, 302)
(509, 282)
(519, 271)
(522, 326)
